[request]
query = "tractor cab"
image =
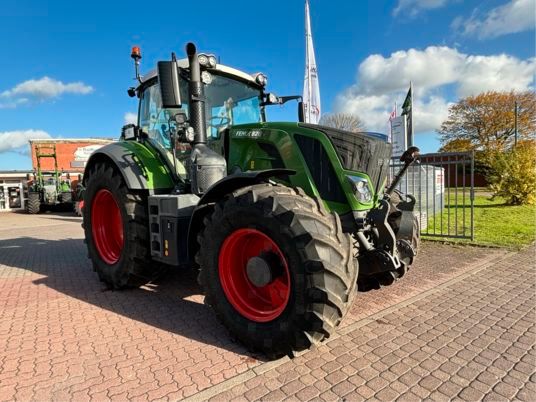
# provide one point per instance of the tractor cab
(232, 97)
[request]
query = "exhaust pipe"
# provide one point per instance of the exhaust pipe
(196, 96)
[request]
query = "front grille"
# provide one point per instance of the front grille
(359, 152)
(322, 171)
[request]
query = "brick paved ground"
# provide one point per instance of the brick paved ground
(63, 336)
(473, 339)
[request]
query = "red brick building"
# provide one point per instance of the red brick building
(71, 154)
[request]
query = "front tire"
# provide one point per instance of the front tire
(34, 203)
(116, 229)
(311, 276)
(66, 197)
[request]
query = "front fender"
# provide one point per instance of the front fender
(238, 180)
(139, 165)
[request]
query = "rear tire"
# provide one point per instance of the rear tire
(322, 270)
(118, 265)
(34, 203)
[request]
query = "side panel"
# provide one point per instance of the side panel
(141, 167)
(275, 145)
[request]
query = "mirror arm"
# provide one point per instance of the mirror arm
(282, 100)
(285, 99)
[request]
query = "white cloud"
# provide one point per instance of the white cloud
(428, 68)
(131, 118)
(12, 104)
(435, 73)
(414, 7)
(430, 113)
(498, 72)
(511, 17)
(40, 89)
(17, 141)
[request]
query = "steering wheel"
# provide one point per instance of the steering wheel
(224, 121)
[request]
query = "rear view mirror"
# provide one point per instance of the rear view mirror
(168, 78)
(301, 112)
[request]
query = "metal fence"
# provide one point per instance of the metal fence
(443, 186)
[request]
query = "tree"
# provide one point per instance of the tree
(485, 124)
(457, 145)
(486, 121)
(343, 121)
(513, 173)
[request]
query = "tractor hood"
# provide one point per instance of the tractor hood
(359, 152)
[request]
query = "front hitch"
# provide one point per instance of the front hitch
(387, 252)
(408, 157)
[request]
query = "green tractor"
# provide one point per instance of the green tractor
(48, 188)
(277, 217)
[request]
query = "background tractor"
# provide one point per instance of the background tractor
(277, 217)
(48, 189)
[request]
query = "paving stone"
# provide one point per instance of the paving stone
(474, 339)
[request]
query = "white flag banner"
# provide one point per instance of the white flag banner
(311, 90)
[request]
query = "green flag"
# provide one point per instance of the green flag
(407, 109)
(406, 106)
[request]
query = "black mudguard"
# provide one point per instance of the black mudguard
(238, 180)
(126, 165)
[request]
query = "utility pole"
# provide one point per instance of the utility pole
(515, 124)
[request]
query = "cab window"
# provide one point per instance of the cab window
(155, 121)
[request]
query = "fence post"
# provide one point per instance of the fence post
(472, 195)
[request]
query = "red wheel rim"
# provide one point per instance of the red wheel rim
(107, 226)
(260, 304)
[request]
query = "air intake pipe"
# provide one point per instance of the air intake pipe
(196, 96)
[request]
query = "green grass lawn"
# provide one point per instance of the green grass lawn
(495, 223)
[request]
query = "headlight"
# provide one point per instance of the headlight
(207, 60)
(212, 61)
(361, 188)
(261, 79)
(203, 59)
(206, 77)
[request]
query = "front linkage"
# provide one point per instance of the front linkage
(389, 236)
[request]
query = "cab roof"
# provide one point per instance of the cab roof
(183, 63)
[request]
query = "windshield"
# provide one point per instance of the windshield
(230, 102)
(227, 102)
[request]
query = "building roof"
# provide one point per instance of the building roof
(90, 140)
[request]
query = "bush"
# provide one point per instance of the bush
(513, 174)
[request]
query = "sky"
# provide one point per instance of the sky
(65, 66)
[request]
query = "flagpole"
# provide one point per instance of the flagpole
(307, 33)
(311, 89)
(410, 139)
